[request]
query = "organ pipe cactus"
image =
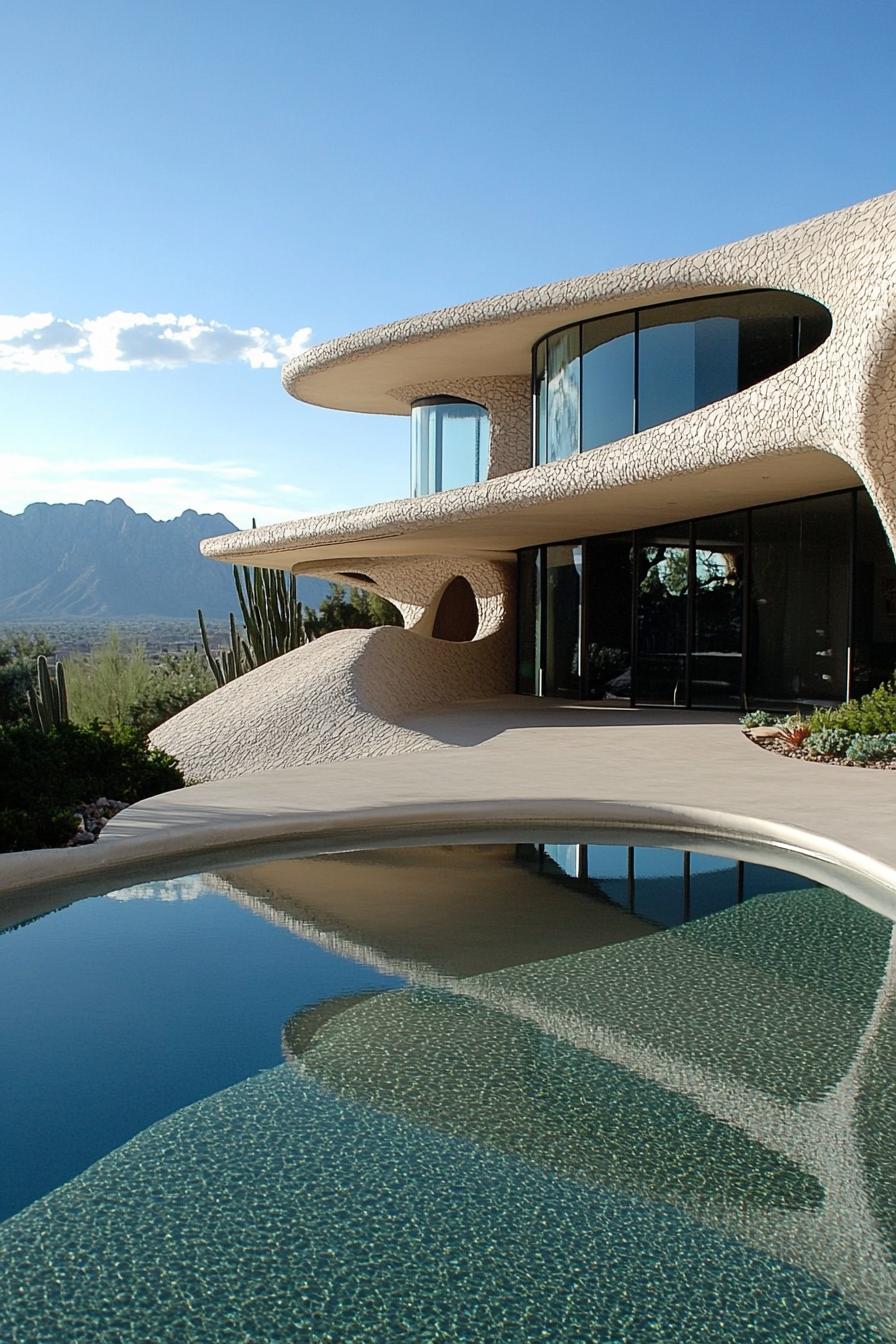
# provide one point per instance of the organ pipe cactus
(47, 700)
(272, 623)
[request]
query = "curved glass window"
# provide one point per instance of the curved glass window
(598, 381)
(449, 444)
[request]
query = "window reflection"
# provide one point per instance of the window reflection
(563, 372)
(563, 583)
(601, 380)
(663, 587)
(449, 444)
(608, 380)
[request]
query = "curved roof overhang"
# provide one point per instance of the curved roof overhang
(492, 337)
(485, 520)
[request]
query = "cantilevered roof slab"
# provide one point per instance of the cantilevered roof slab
(580, 496)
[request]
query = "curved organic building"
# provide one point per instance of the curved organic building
(671, 484)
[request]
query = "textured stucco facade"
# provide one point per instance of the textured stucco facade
(822, 423)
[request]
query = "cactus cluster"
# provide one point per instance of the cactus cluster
(47, 700)
(272, 623)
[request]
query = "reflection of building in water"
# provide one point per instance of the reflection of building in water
(739, 1067)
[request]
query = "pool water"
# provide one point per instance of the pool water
(499, 1092)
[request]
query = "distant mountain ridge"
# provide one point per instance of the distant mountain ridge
(64, 561)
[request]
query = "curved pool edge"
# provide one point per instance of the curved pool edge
(33, 882)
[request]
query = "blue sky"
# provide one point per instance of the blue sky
(253, 172)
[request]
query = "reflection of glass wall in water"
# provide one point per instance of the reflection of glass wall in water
(661, 886)
(662, 597)
(563, 581)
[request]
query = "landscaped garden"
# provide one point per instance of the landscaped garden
(859, 733)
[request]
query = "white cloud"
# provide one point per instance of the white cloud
(115, 342)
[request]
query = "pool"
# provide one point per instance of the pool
(506, 1091)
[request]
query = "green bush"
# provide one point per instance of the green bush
(42, 776)
(175, 681)
(17, 656)
(108, 682)
(869, 747)
(828, 742)
(875, 713)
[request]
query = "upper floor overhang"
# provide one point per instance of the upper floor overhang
(579, 496)
(376, 370)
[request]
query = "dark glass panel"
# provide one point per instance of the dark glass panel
(662, 560)
(712, 885)
(529, 621)
(608, 380)
(659, 885)
(608, 618)
(716, 658)
(799, 601)
(563, 380)
(874, 601)
(563, 573)
(541, 404)
(608, 872)
(688, 357)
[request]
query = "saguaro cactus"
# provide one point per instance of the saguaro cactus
(47, 700)
(272, 623)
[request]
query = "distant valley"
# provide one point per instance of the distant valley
(103, 562)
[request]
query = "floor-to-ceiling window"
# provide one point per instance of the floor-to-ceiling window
(790, 604)
(799, 600)
(662, 604)
(562, 604)
(716, 646)
(607, 602)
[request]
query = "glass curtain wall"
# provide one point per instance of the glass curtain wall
(562, 606)
(717, 637)
(663, 596)
(596, 382)
(800, 600)
(874, 601)
(449, 444)
(607, 652)
(778, 606)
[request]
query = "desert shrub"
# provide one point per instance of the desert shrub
(760, 718)
(42, 775)
(176, 681)
(828, 742)
(108, 683)
(867, 747)
(875, 713)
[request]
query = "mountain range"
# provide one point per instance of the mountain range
(63, 561)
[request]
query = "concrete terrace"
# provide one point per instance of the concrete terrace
(538, 767)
